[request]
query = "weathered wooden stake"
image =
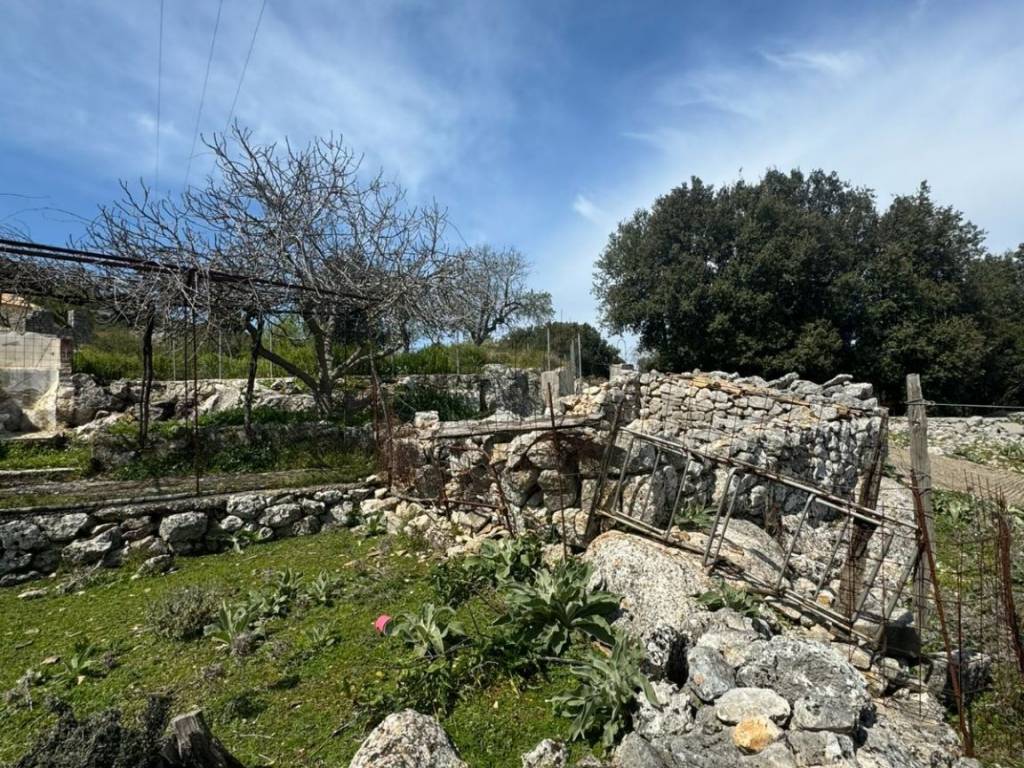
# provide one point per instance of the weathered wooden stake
(920, 466)
(196, 746)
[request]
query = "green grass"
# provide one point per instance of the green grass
(281, 705)
(265, 455)
(25, 454)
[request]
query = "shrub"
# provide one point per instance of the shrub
(101, 740)
(558, 604)
(607, 693)
(230, 630)
(324, 588)
(453, 582)
(80, 664)
(504, 560)
(431, 632)
(184, 613)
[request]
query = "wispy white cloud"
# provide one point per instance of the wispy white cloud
(835, 63)
(587, 208)
(312, 71)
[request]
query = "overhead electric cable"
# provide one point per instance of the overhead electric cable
(245, 66)
(202, 96)
(159, 88)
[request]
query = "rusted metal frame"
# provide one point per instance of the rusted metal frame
(650, 484)
(832, 557)
(825, 497)
(792, 542)
(1005, 564)
(921, 512)
(908, 571)
(800, 602)
(870, 580)
(718, 515)
(725, 524)
(602, 476)
(617, 504)
(639, 525)
(561, 478)
(675, 503)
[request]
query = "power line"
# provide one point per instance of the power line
(245, 66)
(202, 96)
(159, 88)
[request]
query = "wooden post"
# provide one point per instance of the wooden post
(920, 467)
(196, 746)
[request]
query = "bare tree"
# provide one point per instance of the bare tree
(356, 263)
(492, 293)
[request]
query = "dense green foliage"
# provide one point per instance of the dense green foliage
(802, 272)
(114, 353)
(597, 353)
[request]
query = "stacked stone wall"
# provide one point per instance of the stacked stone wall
(34, 545)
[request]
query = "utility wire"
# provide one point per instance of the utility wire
(159, 88)
(202, 96)
(245, 66)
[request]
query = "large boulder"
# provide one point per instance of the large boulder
(407, 739)
(62, 528)
(182, 528)
(280, 515)
(91, 551)
(659, 585)
(824, 689)
(908, 732)
(78, 403)
(744, 703)
(22, 536)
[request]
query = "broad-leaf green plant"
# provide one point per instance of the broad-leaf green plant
(431, 632)
(560, 603)
(607, 692)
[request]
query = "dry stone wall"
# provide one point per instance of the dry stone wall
(824, 434)
(34, 545)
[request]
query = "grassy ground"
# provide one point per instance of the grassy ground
(29, 454)
(281, 705)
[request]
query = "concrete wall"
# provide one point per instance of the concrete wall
(31, 366)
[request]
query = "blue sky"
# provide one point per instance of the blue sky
(538, 124)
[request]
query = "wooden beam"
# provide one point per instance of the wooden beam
(451, 429)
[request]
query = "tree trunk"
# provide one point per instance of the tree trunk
(147, 381)
(256, 336)
(322, 346)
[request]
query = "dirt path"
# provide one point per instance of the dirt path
(958, 475)
(86, 491)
